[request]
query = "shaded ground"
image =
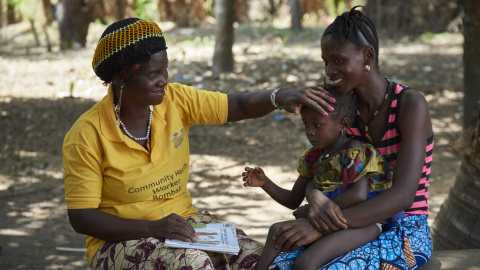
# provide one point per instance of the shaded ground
(36, 112)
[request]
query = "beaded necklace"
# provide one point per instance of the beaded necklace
(122, 125)
(323, 156)
(365, 124)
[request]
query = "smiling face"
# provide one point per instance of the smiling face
(344, 64)
(321, 131)
(146, 85)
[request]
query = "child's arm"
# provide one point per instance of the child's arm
(357, 193)
(255, 177)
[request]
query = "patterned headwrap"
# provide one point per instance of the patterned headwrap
(125, 43)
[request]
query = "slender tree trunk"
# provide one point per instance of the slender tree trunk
(241, 10)
(74, 17)
(122, 6)
(2, 17)
(34, 32)
(48, 11)
(296, 15)
(10, 14)
(471, 58)
(223, 55)
(181, 13)
(166, 10)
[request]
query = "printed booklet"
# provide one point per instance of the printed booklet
(216, 237)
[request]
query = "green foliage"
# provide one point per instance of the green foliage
(72, 85)
(209, 6)
(431, 35)
(15, 3)
(200, 41)
(146, 9)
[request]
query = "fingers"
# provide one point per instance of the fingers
(319, 89)
(186, 228)
(299, 233)
(247, 176)
(315, 224)
(341, 222)
(175, 227)
(281, 230)
(314, 97)
(320, 101)
(332, 222)
(181, 237)
(258, 170)
(287, 240)
(324, 226)
(253, 177)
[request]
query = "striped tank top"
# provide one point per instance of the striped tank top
(389, 146)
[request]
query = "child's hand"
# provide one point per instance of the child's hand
(254, 177)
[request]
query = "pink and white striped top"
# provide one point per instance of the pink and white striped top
(389, 146)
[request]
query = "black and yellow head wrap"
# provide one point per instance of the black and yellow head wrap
(125, 43)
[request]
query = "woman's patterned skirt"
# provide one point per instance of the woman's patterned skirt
(406, 246)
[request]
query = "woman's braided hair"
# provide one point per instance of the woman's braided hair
(353, 26)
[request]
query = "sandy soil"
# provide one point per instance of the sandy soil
(42, 94)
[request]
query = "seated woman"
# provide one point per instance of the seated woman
(395, 119)
(347, 171)
(126, 159)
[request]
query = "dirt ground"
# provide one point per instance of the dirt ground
(42, 94)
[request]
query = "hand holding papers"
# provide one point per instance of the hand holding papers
(216, 237)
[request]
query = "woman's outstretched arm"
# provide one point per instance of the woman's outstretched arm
(258, 103)
(111, 228)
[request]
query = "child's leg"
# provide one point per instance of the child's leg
(335, 244)
(269, 252)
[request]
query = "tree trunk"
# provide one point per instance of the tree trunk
(166, 10)
(471, 58)
(100, 12)
(74, 17)
(48, 11)
(241, 10)
(412, 17)
(1, 14)
(10, 14)
(296, 15)
(223, 55)
(122, 5)
(457, 225)
(181, 13)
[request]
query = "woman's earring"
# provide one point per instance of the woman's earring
(117, 107)
(341, 132)
(367, 65)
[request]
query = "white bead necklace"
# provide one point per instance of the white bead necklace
(324, 156)
(122, 125)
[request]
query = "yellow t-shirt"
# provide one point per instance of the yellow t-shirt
(105, 169)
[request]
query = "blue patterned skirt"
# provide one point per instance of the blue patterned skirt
(406, 246)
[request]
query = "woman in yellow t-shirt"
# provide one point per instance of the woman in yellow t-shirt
(126, 159)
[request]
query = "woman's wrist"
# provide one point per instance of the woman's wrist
(274, 98)
(310, 195)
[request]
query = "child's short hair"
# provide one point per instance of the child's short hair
(344, 105)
